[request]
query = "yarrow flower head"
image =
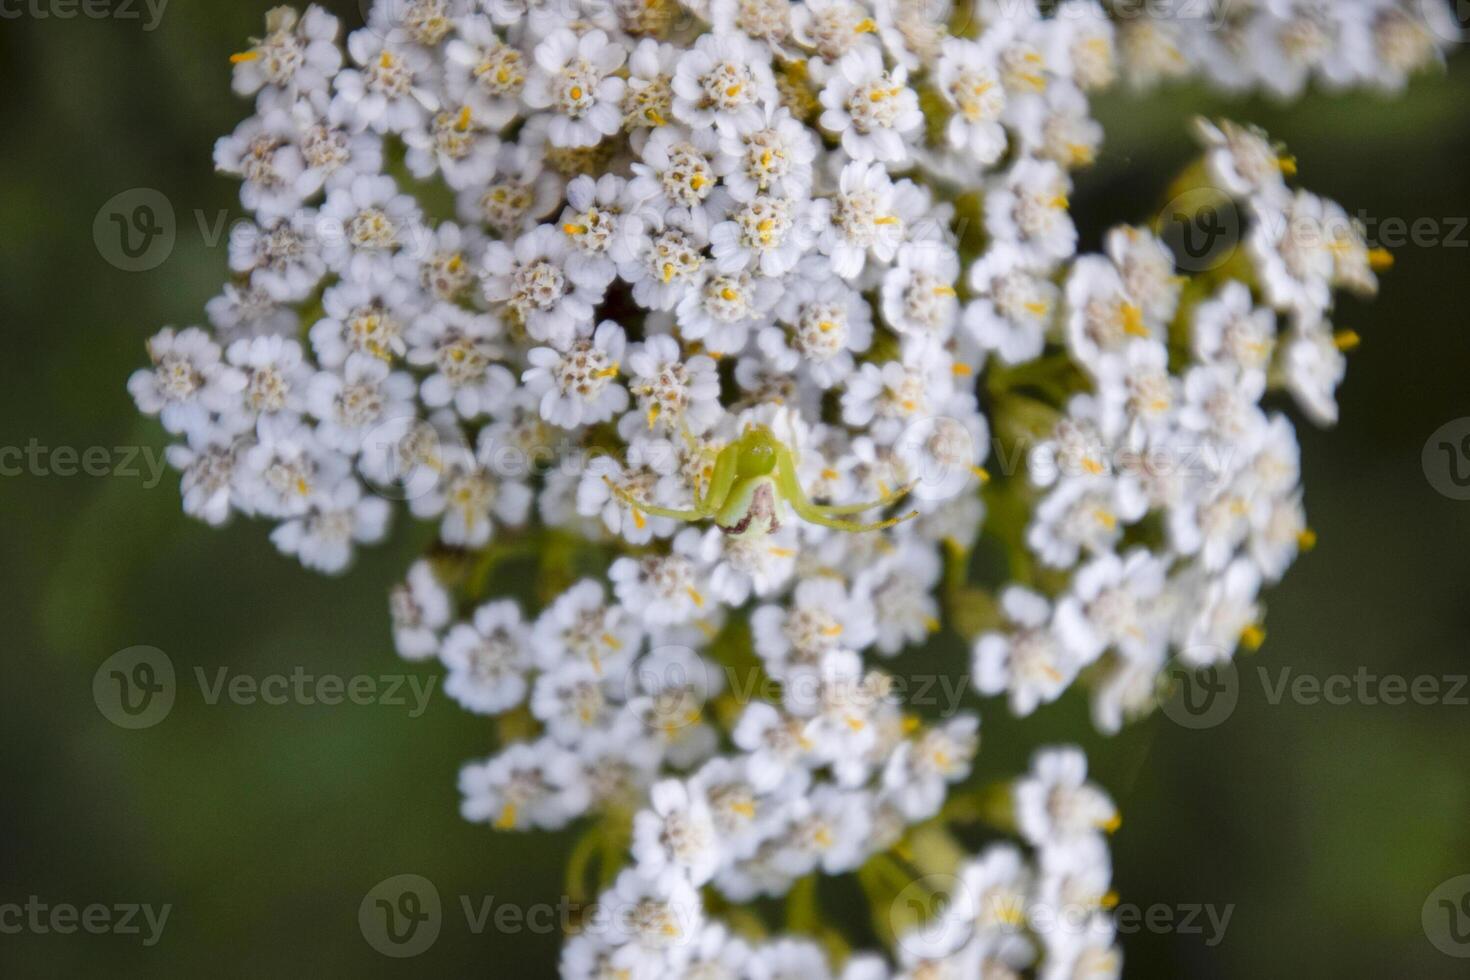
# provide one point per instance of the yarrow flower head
(695, 359)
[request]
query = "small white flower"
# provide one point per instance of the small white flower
(1014, 307)
(1229, 329)
(187, 383)
(1055, 804)
(286, 469)
(663, 589)
(529, 785)
(829, 828)
(276, 377)
(1028, 211)
(742, 566)
(832, 28)
(1112, 604)
(677, 168)
(298, 54)
(994, 895)
(523, 192)
(242, 312)
(208, 467)
(655, 924)
(646, 475)
(485, 71)
(364, 319)
(1220, 615)
(282, 256)
(775, 159)
(1103, 318)
(918, 773)
(919, 298)
(886, 399)
(262, 151)
(457, 144)
(420, 609)
(766, 233)
(365, 226)
(1137, 396)
(393, 89)
(338, 518)
(823, 322)
(579, 706)
(1031, 662)
(723, 309)
(462, 348)
(648, 100)
(604, 223)
(904, 608)
(1147, 269)
(488, 659)
(676, 836)
(531, 280)
(870, 107)
(471, 498)
(577, 387)
(1083, 513)
(1291, 248)
(1242, 161)
(724, 81)
(822, 617)
(1314, 367)
(868, 215)
(446, 268)
(968, 79)
(580, 627)
(672, 394)
(573, 78)
(668, 690)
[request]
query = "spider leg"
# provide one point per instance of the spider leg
(639, 507)
(791, 490)
(720, 482)
(844, 510)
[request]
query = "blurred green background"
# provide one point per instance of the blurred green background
(1326, 827)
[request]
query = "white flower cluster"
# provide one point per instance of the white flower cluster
(1170, 431)
(996, 916)
(535, 268)
(1282, 46)
(1001, 912)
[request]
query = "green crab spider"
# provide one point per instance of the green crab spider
(751, 476)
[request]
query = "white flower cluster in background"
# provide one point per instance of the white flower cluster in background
(1282, 46)
(530, 268)
(994, 916)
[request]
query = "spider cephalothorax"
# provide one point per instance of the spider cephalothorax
(751, 477)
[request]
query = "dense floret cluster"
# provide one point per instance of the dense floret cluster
(655, 295)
